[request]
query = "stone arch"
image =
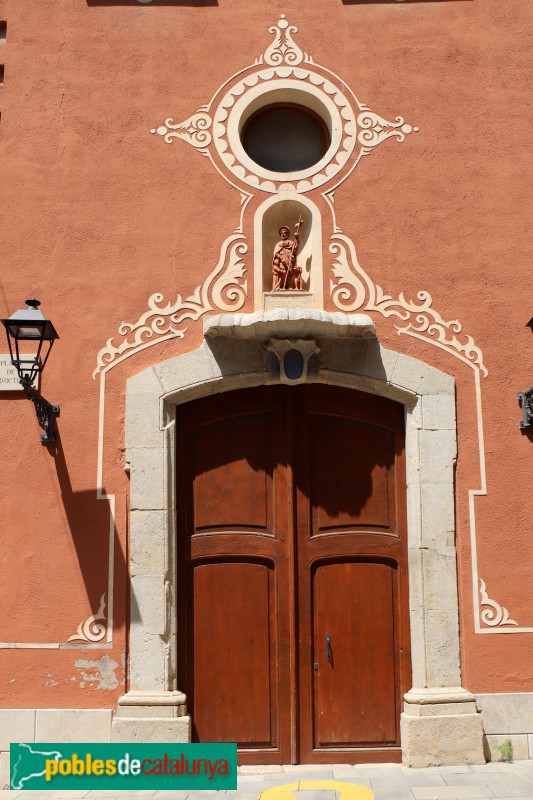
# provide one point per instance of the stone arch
(440, 723)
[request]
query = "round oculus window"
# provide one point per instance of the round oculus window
(285, 137)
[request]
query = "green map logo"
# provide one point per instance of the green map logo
(29, 761)
(123, 766)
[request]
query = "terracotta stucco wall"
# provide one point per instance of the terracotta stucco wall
(97, 215)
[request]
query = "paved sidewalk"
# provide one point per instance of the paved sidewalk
(386, 781)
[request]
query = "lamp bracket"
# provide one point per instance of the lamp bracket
(526, 404)
(45, 411)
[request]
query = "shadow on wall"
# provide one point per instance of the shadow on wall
(527, 432)
(85, 515)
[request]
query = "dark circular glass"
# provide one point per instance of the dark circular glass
(285, 137)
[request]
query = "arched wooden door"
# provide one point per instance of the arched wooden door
(293, 635)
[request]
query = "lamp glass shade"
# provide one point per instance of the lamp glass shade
(29, 325)
(25, 331)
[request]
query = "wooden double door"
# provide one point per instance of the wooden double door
(293, 636)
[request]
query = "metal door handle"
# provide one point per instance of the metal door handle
(328, 648)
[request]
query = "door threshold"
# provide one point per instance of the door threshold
(264, 769)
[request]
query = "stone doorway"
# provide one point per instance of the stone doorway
(439, 722)
(293, 623)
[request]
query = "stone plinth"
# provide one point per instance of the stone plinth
(288, 299)
(151, 717)
(441, 726)
(289, 323)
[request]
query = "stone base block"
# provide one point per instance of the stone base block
(506, 713)
(17, 725)
(152, 704)
(434, 740)
(151, 717)
(519, 744)
(288, 299)
(73, 724)
(440, 726)
(151, 729)
(4, 771)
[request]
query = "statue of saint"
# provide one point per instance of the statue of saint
(285, 273)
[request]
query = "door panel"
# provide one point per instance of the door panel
(232, 468)
(352, 568)
(291, 526)
(353, 605)
(350, 466)
(234, 577)
(234, 625)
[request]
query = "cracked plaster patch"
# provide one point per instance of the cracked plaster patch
(98, 673)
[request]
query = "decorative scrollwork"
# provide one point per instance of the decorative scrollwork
(495, 614)
(194, 130)
(375, 129)
(215, 128)
(94, 628)
(45, 411)
(231, 155)
(353, 284)
(223, 289)
(354, 290)
(283, 48)
(228, 294)
(156, 322)
(430, 325)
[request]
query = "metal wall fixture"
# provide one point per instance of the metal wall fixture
(28, 327)
(525, 399)
(526, 404)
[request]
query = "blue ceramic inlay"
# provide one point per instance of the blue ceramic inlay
(293, 363)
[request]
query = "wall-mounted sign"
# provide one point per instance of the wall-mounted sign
(9, 380)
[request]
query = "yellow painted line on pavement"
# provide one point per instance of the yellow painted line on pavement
(348, 791)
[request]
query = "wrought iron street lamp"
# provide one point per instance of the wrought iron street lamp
(28, 328)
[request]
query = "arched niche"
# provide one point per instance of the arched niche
(286, 209)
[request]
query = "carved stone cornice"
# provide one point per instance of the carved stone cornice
(290, 323)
